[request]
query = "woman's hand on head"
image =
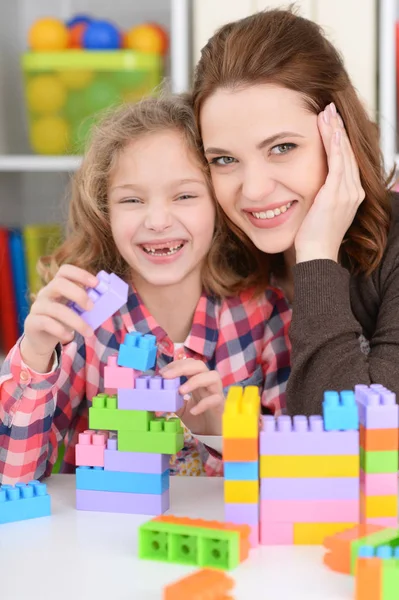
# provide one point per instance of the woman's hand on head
(334, 208)
(203, 393)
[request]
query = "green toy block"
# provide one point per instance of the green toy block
(104, 414)
(390, 579)
(164, 437)
(189, 545)
(385, 537)
(379, 462)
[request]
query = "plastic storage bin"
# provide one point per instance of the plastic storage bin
(64, 92)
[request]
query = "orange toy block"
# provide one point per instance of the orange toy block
(240, 450)
(368, 579)
(378, 439)
(339, 545)
(206, 584)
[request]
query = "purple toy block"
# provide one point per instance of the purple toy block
(134, 462)
(241, 514)
(300, 437)
(323, 488)
(152, 393)
(108, 297)
(377, 407)
(121, 502)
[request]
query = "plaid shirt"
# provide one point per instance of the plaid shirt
(245, 339)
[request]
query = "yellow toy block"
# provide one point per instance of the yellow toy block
(241, 412)
(309, 466)
(241, 492)
(378, 506)
(314, 534)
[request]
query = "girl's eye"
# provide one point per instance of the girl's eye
(282, 148)
(185, 197)
(130, 201)
(222, 161)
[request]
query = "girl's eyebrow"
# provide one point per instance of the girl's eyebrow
(135, 187)
(266, 142)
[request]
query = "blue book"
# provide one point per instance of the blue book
(17, 253)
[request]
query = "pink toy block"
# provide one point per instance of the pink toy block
(309, 511)
(89, 451)
(379, 484)
(383, 521)
(377, 407)
(134, 462)
(152, 393)
(241, 514)
(303, 437)
(108, 296)
(254, 536)
(322, 488)
(122, 502)
(117, 377)
(276, 534)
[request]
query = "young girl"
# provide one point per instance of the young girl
(143, 208)
(296, 166)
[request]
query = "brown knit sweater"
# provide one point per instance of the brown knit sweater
(331, 309)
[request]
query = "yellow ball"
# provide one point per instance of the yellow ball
(50, 135)
(45, 94)
(145, 38)
(48, 35)
(75, 79)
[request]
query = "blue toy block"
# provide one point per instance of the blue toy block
(24, 501)
(241, 471)
(340, 411)
(97, 479)
(138, 351)
(153, 394)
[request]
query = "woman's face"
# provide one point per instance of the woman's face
(267, 160)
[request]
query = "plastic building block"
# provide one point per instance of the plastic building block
(241, 471)
(241, 491)
(375, 484)
(387, 522)
(152, 393)
(377, 407)
(240, 450)
(118, 377)
(24, 501)
(194, 542)
(309, 466)
(314, 534)
(108, 296)
(377, 573)
(138, 351)
(307, 488)
(241, 513)
(340, 411)
(164, 437)
(134, 462)
(89, 451)
(378, 506)
(104, 414)
(241, 413)
(379, 462)
(276, 534)
(121, 502)
(379, 439)
(309, 511)
(206, 584)
(300, 436)
(115, 481)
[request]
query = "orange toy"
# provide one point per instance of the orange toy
(339, 556)
(148, 37)
(206, 584)
(76, 33)
(48, 35)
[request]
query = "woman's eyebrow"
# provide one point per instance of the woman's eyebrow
(266, 142)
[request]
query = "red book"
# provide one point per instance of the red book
(8, 307)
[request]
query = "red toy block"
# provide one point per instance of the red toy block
(207, 584)
(89, 451)
(118, 377)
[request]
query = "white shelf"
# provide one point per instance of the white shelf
(21, 163)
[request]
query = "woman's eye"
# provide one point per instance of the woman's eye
(282, 148)
(222, 161)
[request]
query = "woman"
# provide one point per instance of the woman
(297, 169)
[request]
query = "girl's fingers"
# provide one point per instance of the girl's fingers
(208, 403)
(201, 380)
(336, 166)
(65, 315)
(77, 275)
(55, 329)
(60, 287)
(184, 368)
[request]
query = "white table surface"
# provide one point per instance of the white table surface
(76, 555)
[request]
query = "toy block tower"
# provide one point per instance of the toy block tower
(377, 573)
(129, 473)
(241, 458)
(379, 463)
(309, 471)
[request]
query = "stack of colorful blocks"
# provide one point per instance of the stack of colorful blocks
(241, 458)
(129, 473)
(379, 463)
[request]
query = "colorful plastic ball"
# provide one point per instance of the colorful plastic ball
(50, 135)
(76, 33)
(99, 95)
(45, 94)
(48, 35)
(147, 38)
(76, 79)
(79, 19)
(102, 35)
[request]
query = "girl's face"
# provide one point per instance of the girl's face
(267, 160)
(161, 211)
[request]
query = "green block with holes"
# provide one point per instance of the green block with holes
(385, 537)
(163, 437)
(189, 545)
(105, 414)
